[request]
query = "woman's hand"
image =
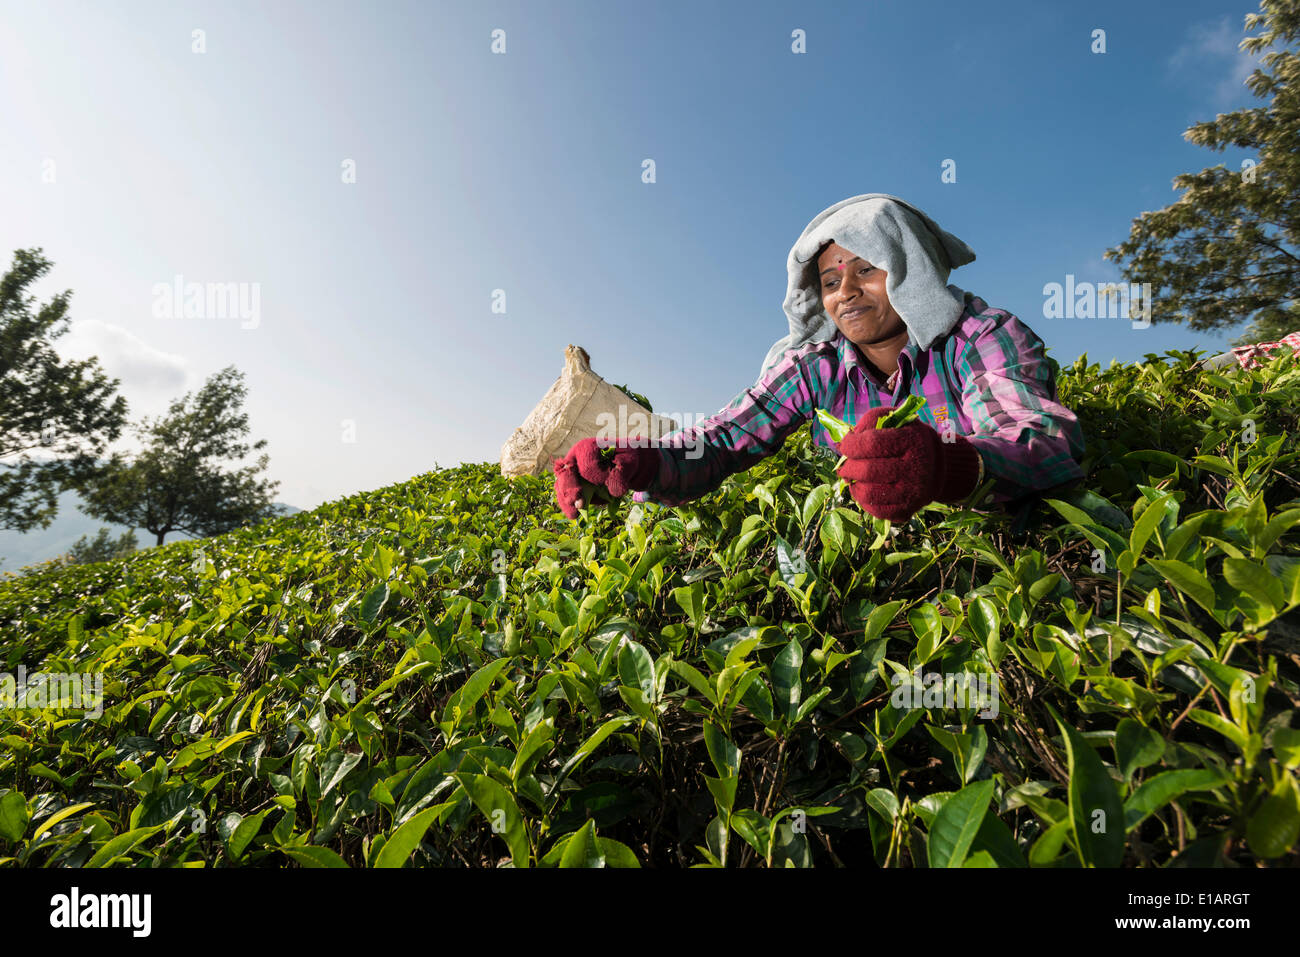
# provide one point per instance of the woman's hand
(596, 470)
(588, 494)
(891, 473)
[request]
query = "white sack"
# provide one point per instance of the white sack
(580, 404)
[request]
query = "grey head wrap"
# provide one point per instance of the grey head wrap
(889, 233)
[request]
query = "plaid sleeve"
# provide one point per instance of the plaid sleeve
(751, 427)
(1251, 356)
(1027, 440)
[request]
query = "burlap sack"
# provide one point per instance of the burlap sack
(571, 410)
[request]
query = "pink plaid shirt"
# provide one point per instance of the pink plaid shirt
(1251, 355)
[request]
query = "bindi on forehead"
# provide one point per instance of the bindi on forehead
(840, 263)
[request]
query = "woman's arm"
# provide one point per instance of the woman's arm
(1027, 440)
(753, 426)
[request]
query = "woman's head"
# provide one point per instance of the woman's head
(912, 257)
(853, 294)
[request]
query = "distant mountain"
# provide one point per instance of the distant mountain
(18, 548)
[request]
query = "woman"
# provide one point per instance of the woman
(872, 321)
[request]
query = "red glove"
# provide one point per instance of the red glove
(891, 473)
(631, 469)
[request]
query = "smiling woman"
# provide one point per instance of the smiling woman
(854, 296)
(872, 323)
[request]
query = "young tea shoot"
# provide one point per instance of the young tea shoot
(902, 415)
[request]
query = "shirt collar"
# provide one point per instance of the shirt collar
(906, 361)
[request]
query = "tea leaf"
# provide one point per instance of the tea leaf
(583, 849)
(496, 804)
(786, 686)
(244, 832)
(636, 669)
(901, 415)
(13, 816)
(722, 752)
(60, 815)
(958, 821)
(1096, 814)
(311, 856)
(462, 702)
(122, 844)
(1136, 746)
(1159, 790)
(1255, 581)
(1275, 827)
(837, 428)
(402, 842)
(1187, 580)
(373, 602)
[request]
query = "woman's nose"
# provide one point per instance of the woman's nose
(849, 287)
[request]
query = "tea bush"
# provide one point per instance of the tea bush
(447, 672)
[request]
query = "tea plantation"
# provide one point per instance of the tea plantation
(446, 672)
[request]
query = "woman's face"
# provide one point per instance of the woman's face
(853, 295)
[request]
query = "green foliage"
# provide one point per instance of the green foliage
(180, 482)
(1271, 326)
(448, 672)
(1228, 250)
(902, 415)
(636, 397)
(103, 547)
(69, 411)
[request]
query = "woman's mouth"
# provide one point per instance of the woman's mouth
(854, 313)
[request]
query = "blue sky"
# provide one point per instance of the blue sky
(374, 351)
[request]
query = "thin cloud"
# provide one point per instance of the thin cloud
(1096, 271)
(1212, 50)
(144, 370)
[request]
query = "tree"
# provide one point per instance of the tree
(102, 547)
(177, 483)
(66, 410)
(1228, 250)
